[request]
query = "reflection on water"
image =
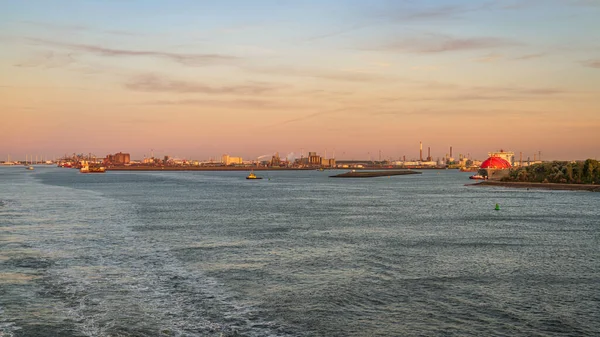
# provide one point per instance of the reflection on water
(212, 254)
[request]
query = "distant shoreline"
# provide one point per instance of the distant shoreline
(546, 186)
(233, 168)
(202, 168)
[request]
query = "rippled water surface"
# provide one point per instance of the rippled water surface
(298, 254)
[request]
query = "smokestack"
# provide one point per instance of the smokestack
(420, 151)
(520, 159)
(450, 151)
(428, 153)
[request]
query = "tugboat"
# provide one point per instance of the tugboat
(478, 177)
(252, 176)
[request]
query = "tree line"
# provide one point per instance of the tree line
(563, 172)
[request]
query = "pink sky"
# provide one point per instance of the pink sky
(352, 81)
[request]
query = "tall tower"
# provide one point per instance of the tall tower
(428, 153)
(420, 151)
(451, 152)
(520, 159)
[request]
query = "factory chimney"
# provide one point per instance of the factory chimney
(428, 153)
(520, 159)
(420, 151)
(451, 152)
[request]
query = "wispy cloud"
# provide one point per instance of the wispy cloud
(425, 68)
(396, 12)
(493, 57)
(47, 59)
(155, 83)
(327, 74)
(340, 31)
(78, 28)
(592, 63)
(189, 59)
(241, 105)
(489, 58)
(458, 93)
(57, 26)
(234, 103)
(444, 43)
(312, 115)
(529, 56)
(401, 13)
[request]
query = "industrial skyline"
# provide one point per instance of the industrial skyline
(289, 155)
(199, 79)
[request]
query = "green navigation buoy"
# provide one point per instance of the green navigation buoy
(497, 207)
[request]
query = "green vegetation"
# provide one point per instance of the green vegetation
(562, 172)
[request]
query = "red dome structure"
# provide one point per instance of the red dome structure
(495, 163)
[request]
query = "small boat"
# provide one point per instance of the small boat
(252, 176)
(477, 176)
(86, 168)
(97, 169)
(30, 167)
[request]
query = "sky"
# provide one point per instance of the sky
(199, 79)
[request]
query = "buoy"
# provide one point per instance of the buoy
(497, 207)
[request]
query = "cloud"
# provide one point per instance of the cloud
(592, 63)
(155, 83)
(338, 32)
(79, 28)
(489, 58)
(529, 56)
(334, 75)
(442, 43)
(235, 103)
(311, 116)
(425, 68)
(189, 59)
(47, 59)
(493, 57)
(505, 93)
(57, 26)
(404, 13)
(479, 93)
(239, 104)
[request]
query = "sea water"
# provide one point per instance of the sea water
(293, 254)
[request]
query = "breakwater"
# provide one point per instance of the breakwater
(372, 174)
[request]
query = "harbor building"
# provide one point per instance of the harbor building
(119, 158)
(328, 162)
(228, 160)
(314, 158)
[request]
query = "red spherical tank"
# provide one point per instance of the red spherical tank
(495, 163)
